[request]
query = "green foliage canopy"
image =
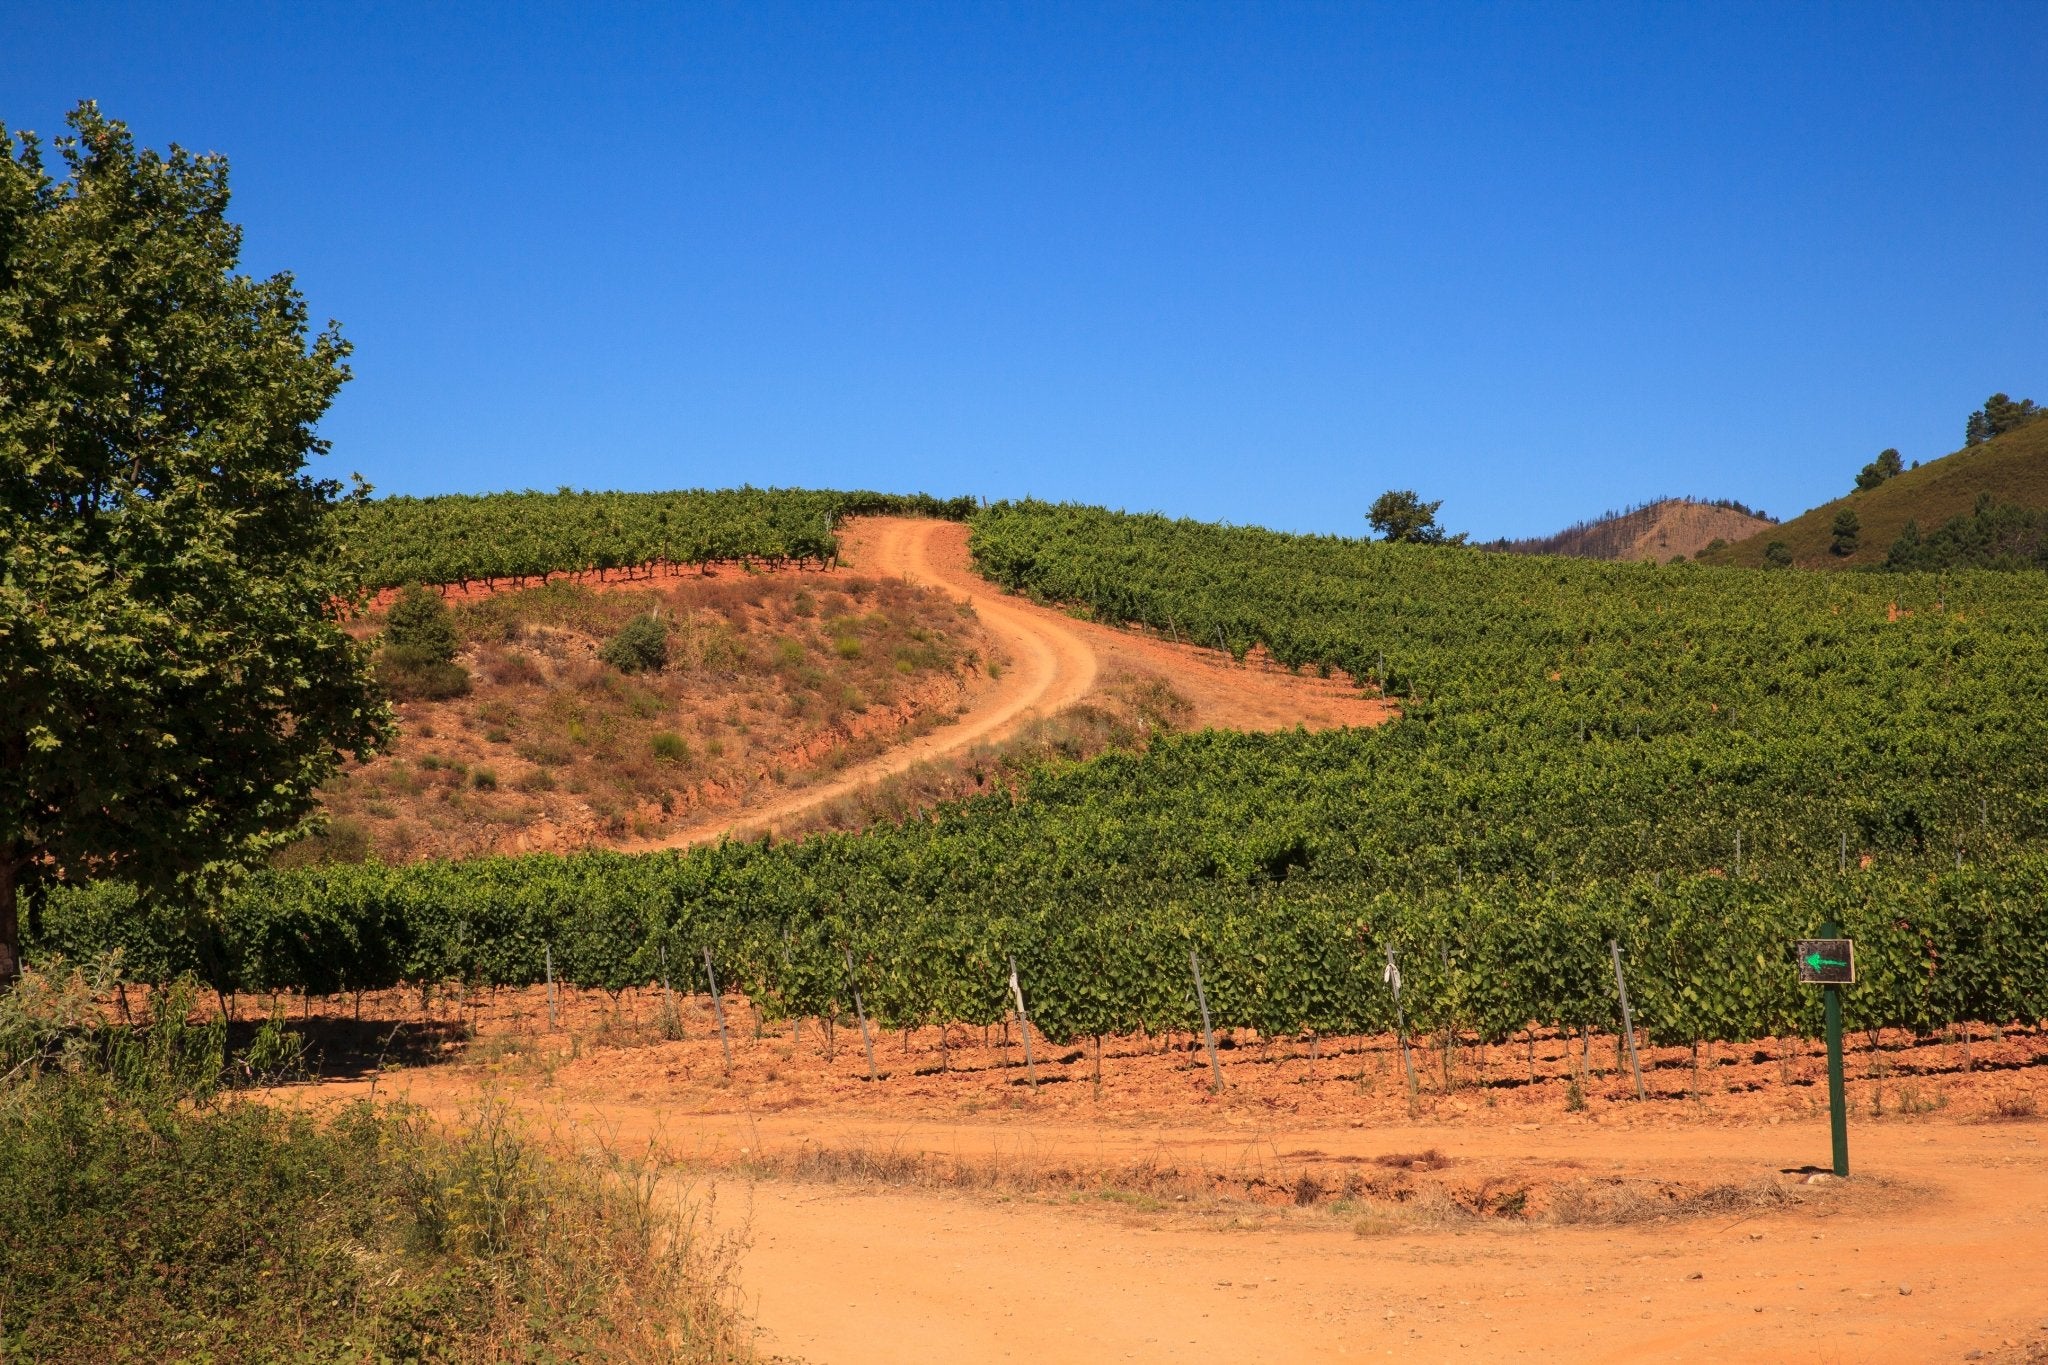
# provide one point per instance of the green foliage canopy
(641, 646)
(1887, 465)
(173, 683)
(1400, 515)
(1999, 415)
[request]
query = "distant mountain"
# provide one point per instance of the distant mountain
(1656, 530)
(2012, 468)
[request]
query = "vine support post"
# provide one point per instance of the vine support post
(718, 1008)
(860, 1012)
(1392, 976)
(548, 958)
(668, 994)
(1628, 1026)
(1208, 1033)
(1023, 1023)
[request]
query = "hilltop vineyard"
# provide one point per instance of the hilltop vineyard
(1697, 764)
(521, 536)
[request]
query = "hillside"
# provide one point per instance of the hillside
(774, 680)
(1655, 531)
(2013, 468)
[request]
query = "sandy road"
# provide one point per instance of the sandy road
(844, 1276)
(1049, 668)
(1054, 661)
(1934, 1253)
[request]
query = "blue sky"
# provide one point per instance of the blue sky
(1255, 263)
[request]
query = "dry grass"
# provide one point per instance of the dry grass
(1126, 711)
(771, 679)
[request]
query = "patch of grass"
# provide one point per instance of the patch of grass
(2013, 1106)
(669, 747)
(153, 1216)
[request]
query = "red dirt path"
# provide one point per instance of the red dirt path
(971, 1218)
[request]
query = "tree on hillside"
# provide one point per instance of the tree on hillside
(1887, 465)
(1847, 528)
(1998, 416)
(173, 682)
(417, 661)
(1402, 515)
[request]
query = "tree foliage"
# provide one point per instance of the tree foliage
(1999, 415)
(1400, 515)
(1887, 465)
(175, 683)
(1847, 528)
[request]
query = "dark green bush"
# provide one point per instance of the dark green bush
(641, 646)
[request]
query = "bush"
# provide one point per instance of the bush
(641, 646)
(419, 624)
(150, 1217)
(670, 747)
(410, 675)
(1777, 555)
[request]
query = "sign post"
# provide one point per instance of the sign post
(1830, 963)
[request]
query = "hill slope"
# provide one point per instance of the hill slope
(2013, 468)
(1654, 531)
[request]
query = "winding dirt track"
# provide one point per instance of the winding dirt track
(1053, 662)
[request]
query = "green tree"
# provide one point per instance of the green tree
(174, 685)
(1401, 515)
(419, 648)
(1846, 529)
(1887, 465)
(419, 622)
(1777, 555)
(1999, 415)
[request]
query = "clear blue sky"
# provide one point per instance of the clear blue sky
(1245, 262)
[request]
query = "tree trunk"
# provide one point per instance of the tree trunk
(10, 920)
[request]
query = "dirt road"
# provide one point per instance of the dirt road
(961, 1215)
(1054, 661)
(1951, 1264)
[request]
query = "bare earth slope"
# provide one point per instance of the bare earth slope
(1054, 662)
(1672, 526)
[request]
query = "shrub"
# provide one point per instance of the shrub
(484, 780)
(641, 646)
(409, 676)
(419, 623)
(670, 747)
(1777, 555)
(789, 653)
(151, 1216)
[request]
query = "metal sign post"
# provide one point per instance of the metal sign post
(1830, 963)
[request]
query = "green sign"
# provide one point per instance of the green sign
(1827, 961)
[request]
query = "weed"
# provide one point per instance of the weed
(2014, 1106)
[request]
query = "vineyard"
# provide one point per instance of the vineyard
(1699, 765)
(522, 536)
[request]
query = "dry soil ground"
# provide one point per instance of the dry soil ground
(964, 1215)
